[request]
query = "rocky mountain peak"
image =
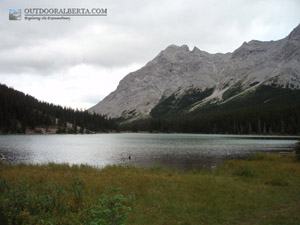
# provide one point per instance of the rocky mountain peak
(174, 53)
(196, 50)
(253, 48)
(295, 34)
(177, 72)
(185, 48)
(175, 48)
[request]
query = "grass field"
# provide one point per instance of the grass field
(264, 189)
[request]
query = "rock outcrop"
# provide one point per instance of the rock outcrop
(177, 71)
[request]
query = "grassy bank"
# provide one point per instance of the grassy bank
(265, 189)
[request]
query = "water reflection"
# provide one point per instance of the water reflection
(182, 151)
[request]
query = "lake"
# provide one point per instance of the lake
(182, 151)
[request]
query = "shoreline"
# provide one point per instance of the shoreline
(260, 136)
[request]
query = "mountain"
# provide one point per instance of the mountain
(20, 113)
(180, 81)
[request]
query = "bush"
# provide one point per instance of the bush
(25, 203)
(76, 193)
(110, 210)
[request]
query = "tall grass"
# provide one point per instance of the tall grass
(265, 189)
(297, 151)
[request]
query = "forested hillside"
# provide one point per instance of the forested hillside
(267, 110)
(20, 112)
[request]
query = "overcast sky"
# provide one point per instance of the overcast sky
(78, 62)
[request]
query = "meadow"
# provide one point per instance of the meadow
(262, 189)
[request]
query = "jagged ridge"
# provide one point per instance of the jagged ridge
(177, 70)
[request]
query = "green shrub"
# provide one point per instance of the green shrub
(110, 210)
(25, 203)
(77, 192)
(21, 201)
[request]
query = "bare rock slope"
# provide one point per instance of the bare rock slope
(178, 71)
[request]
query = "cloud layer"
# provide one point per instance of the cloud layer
(76, 62)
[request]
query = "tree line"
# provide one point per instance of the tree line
(272, 120)
(267, 110)
(19, 112)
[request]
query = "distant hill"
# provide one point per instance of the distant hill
(20, 113)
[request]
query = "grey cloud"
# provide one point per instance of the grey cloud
(135, 31)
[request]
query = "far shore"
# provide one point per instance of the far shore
(53, 131)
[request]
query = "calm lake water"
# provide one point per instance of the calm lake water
(172, 150)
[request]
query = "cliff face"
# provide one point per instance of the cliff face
(194, 77)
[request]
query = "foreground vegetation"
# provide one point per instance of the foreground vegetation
(264, 189)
